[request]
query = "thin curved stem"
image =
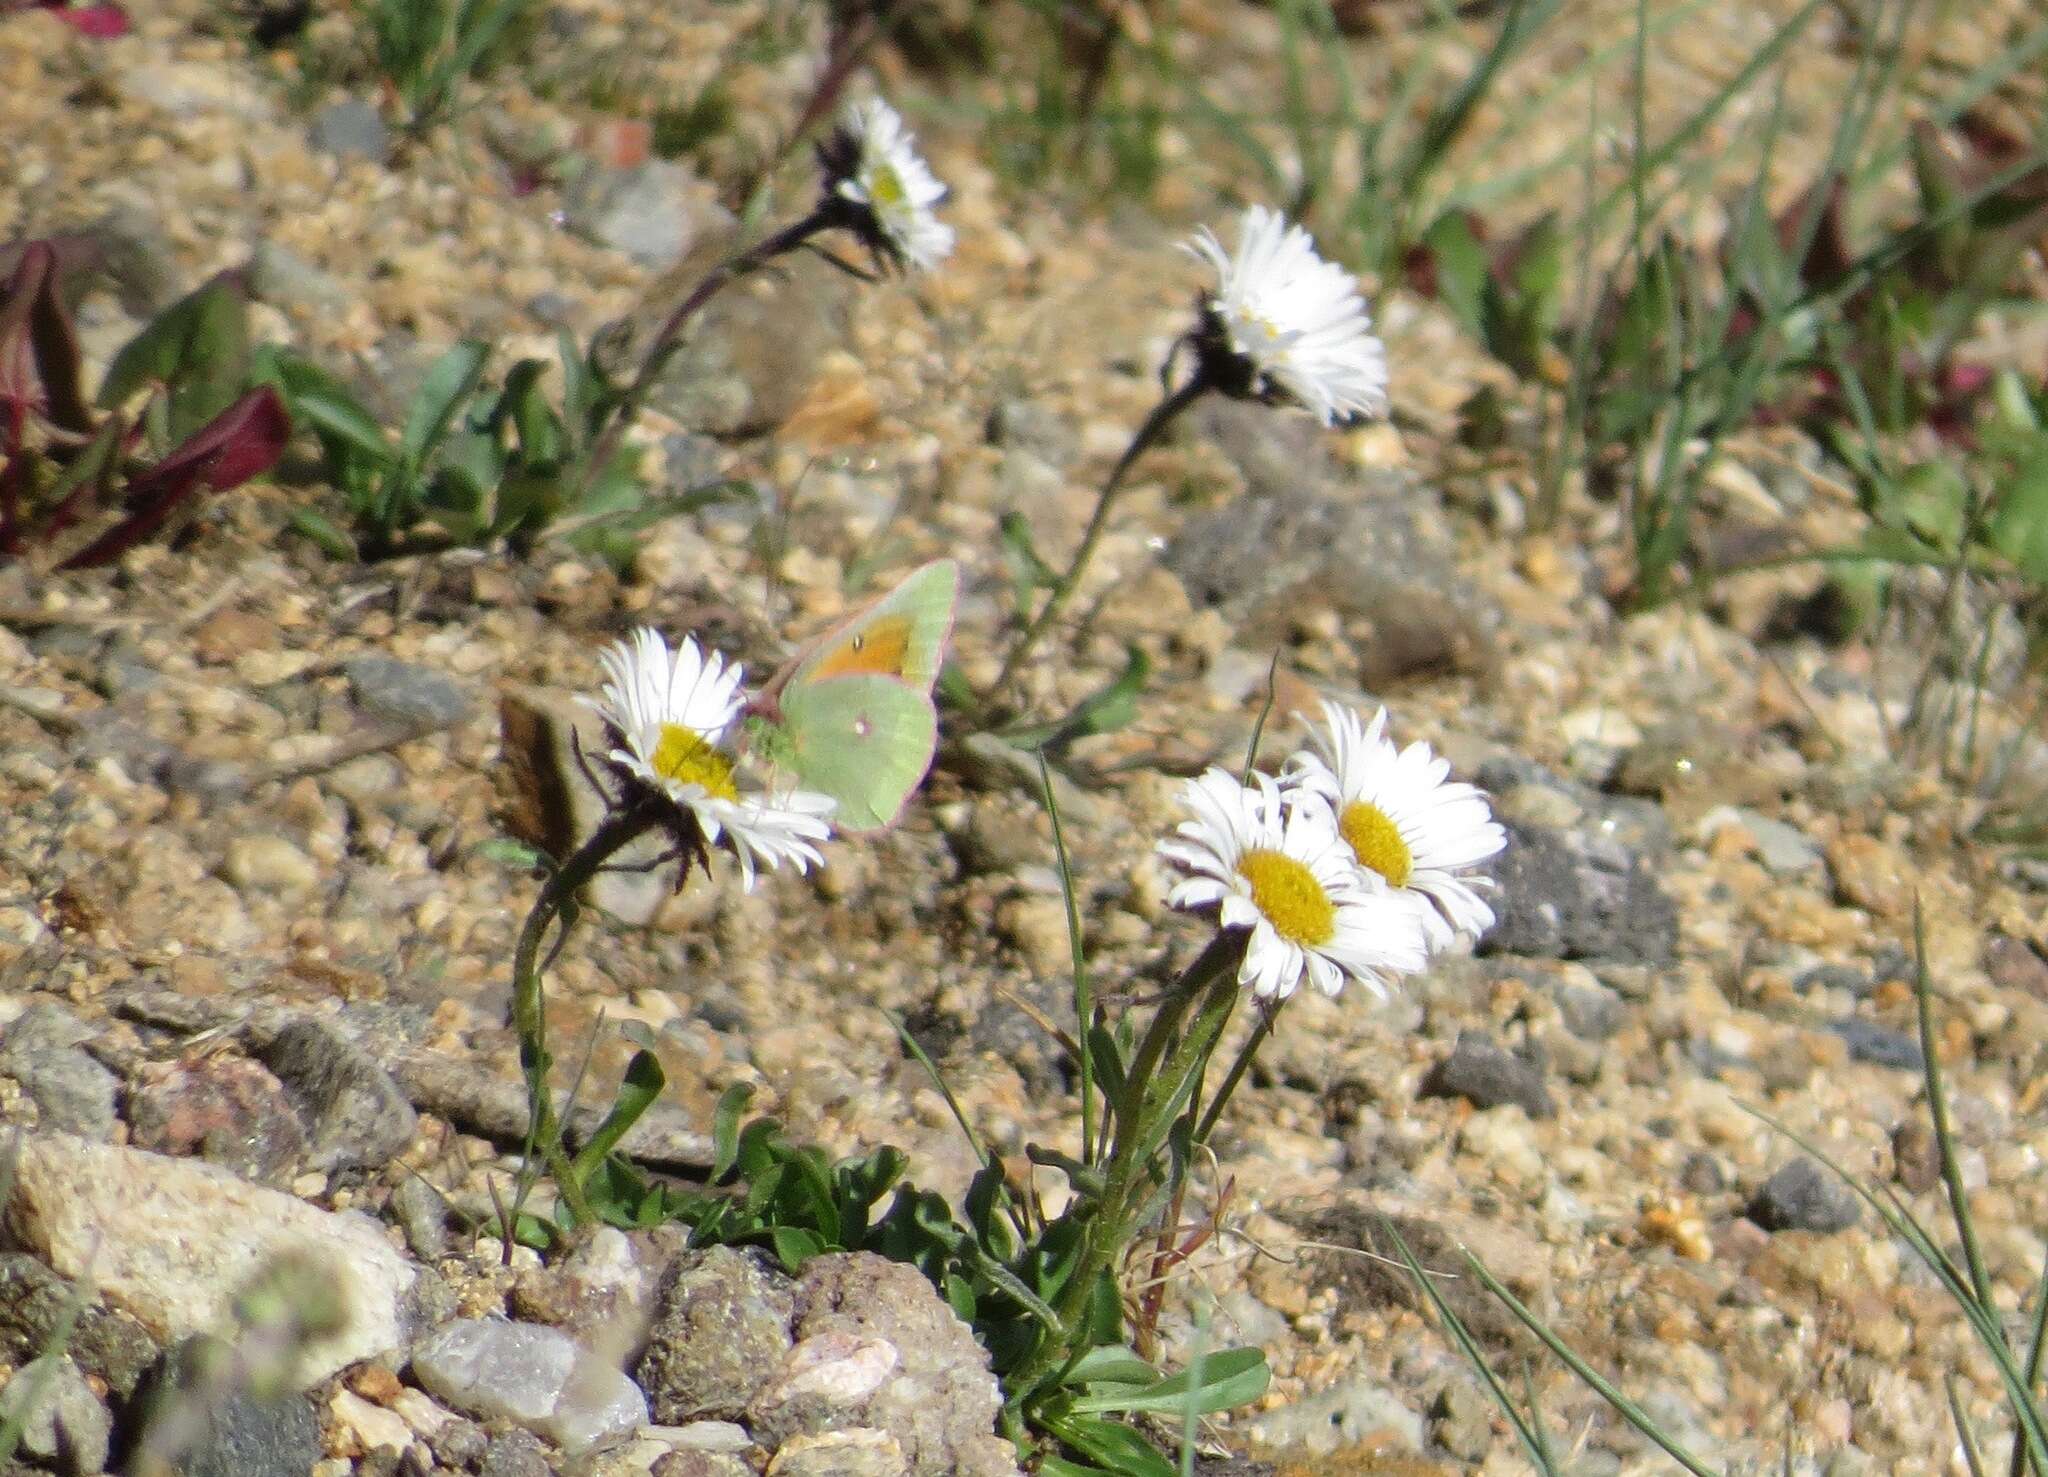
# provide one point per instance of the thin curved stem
(663, 345)
(1163, 415)
(529, 1006)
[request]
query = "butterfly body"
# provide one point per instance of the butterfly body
(851, 714)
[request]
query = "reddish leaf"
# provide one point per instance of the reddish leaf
(39, 366)
(241, 442)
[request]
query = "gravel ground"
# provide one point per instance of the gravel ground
(244, 787)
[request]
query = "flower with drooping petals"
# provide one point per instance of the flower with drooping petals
(871, 161)
(672, 714)
(1284, 322)
(1403, 818)
(1270, 861)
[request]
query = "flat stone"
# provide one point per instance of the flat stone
(1578, 895)
(656, 212)
(72, 1092)
(203, 1425)
(355, 1115)
(350, 129)
(263, 862)
(1805, 1196)
(62, 1423)
(539, 1378)
(176, 1243)
(1481, 1072)
(1880, 1045)
(403, 692)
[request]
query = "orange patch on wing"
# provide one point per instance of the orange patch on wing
(878, 649)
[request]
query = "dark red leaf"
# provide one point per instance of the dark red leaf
(101, 22)
(241, 442)
(39, 364)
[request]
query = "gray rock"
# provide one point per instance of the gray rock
(1479, 1071)
(422, 1211)
(721, 1327)
(1880, 1045)
(514, 1454)
(1379, 556)
(355, 1115)
(281, 277)
(1784, 850)
(351, 129)
(755, 350)
(1833, 977)
(35, 1302)
(1703, 1174)
(657, 213)
(1578, 895)
(138, 259)
(72, 1092)
(1019, 424)
(536, 1377)
(402, 692)
(62, 1423)
(875, 1347)
(1590, 1012)
(1804, 1196)
(200, 1424)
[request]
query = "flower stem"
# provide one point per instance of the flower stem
(1163, 415)
(663, 345)
(1151, 1098)
(529, 1007)
(1237, 1070)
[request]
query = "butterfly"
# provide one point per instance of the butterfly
(850, 715)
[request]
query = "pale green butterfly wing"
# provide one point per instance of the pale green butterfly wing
(864, 740)
(851, 714)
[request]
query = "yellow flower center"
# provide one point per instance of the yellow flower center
(683, 756)
(1376, 842)
(885, 188)
(1289, 895)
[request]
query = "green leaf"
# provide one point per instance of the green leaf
(1115, 1446)
(1229, 1379)
(331, 540)
(504, 851)
(637, 1093)
(203, 333)
(2019, 521)
(1460, 268)
(1112, 1364)
(1108, 708)
(449, 383)
(725, 1129)
(795, 1246)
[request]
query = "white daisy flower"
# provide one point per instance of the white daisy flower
(1403, 818)
(672, 714)
(873, 162)
(1271, 860)
(1293, 322)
